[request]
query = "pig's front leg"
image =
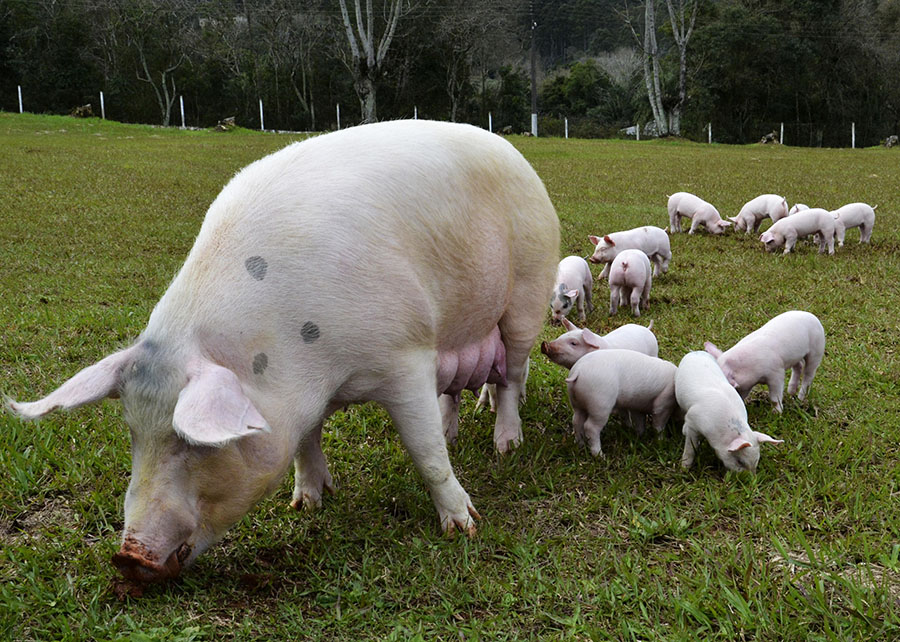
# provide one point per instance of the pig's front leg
(311, 474)
(578, 418)
(690, 443)
(414, 408)
(638, 421)
(789, 241)
(605, 272)
(450, 417)
(775, 381)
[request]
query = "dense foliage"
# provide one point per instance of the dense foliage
(751, 65)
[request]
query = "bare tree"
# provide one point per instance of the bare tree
(650, 53)
(682, 28)
(367, 51)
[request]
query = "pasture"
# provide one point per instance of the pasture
(95, 219)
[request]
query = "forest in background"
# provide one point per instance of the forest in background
(743, 66)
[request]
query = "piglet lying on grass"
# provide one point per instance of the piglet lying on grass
(858, 215)
(685, 205)
(812, 221)
(630, 280)
(569, 347)
(606, 380)
(714, 410)
(793, 340)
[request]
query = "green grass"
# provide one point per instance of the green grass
(96, 217)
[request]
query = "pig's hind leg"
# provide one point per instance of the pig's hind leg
(810, 365)
(311, 476)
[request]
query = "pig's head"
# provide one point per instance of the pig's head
(742, 452)
(202, 454)
(739, 223)
(568, 348)
(769, 240)
(563, 300)
(719, 226)
(605, 249)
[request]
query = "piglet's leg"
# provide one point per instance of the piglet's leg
(775, 382)
(690, 442)
(796, 374)
(811, 364)
(311, 474)
(593, 426)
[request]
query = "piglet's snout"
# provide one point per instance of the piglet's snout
(138, 564)
(545, 348)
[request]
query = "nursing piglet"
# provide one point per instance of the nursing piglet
(858, 215)
(794, 340)
(607, 380)
(714, 410)
(573, 287)
(812, 221)
(754, 211)
(630, 280)
(685, 205)
(568, 348)
(652, 241)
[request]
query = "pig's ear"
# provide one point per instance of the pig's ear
(91, 384)
(568, 325)
(592, 339)
(733, 218)
(212, 408)
(608, 240)
(594, 239)
(738, 443)
(711, 348)
(763, 438)
(572, 294)
(725, 223)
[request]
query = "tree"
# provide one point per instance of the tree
(682, 28)
(367, 52)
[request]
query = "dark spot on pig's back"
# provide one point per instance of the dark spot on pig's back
(309, 332)
(260, 363)
(257, 267)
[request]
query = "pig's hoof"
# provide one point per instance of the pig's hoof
(311, 498)
(463, 523)
(505, 443)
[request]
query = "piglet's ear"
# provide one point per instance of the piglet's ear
(592, 339)
(763, 438)
(609, 240)
(738, 443)
(594, 239)
(212, 408)
(572, 294)
(711, 348)
(568, 325)
(91, 384)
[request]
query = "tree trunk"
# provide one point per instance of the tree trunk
(652, 69)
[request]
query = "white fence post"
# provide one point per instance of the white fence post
(20, 99)
(262, 123)
(102, 107)
(534, 125)
(490, 122)
(710, 132)
(339, 116)
(415, 113)
(637, 131)
(853, 135)
(567, 127)
(781, 135)
(181, 103)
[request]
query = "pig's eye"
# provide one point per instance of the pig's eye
(573, 343)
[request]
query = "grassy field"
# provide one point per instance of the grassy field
(96, 217)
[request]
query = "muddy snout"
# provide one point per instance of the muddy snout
(545, 348)
(138, 564)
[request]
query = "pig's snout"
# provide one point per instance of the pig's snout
(138, 564)
(545, 348)
(593, 259)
